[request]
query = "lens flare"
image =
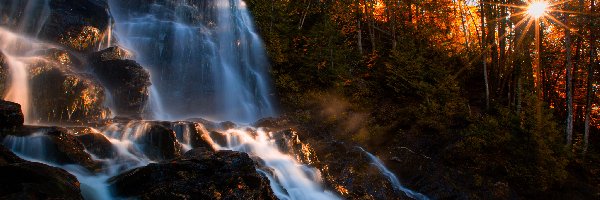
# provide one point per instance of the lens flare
(537, 9)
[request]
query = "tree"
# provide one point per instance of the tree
(590, 75)
(569, 81)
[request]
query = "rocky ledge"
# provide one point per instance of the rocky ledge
(198, 174)
(22, 179)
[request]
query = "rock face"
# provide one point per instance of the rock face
(3, 73)
(21, 179)
(10, 115)
(199, 174)
(191, 133)
(60, 95)
(126, 80)
(344, 168)
(76, 24)
(51, 144)
(94, 142)
(160, 143)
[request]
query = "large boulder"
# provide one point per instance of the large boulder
(191, 133)
(159, 143)
(10, 115)
(76, 24)
(344, 167)
(126, 80)
(50, 144)
(60, 95)
(199, 174)
(94, 142)
(22, 179)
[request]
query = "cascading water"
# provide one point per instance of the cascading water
(123, 138)
(204, 57)
(392, 178)
(20, 53)
(289, 179)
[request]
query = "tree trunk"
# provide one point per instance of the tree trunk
(484, 58)
(569, 83)
(371, 20)
(502, 50)
(359, 28)
(590, 75)
(392, 19)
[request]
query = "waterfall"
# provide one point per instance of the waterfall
(289, 179)
(392, 178)
(19, 53)
(205, 58)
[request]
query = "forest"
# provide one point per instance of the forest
(299, 99)
(503, 92)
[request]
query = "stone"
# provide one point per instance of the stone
(79, 25)
(52, 144)
(94, 142)
(195, 131)
(126, 80)
(3, 73)
(61, 96)
(199, 174)
(11, 115)
(160, 143)
(22, 179)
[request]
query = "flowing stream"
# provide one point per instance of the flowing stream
(289, 179)
(392, 177)
(205, 59)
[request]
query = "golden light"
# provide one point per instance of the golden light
(537, 9)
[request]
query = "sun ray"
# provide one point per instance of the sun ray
(507, 5)
(508, 16)
(526, 30)
(558, 3)
(558, 22)
(573, 12)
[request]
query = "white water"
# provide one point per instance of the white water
(392, 177)
(20, 53)
(204, 56)
(289, 179)
(36, 148)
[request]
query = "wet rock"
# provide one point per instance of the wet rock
(349, 171)
(111, 53)
(199, 174)
(273, 123)
(209, 125)
(10, 115)
(76, 24)
(344, 168)
(218, 137)
(70, 150)
(50, 144)
(126, 80)
(191, 133)
(22, 179)
(59, 95)
(227, 125)
(94, 142)
(160, 143)
(3, 73)
(8, 157)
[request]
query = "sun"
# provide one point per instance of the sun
(537, 9)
